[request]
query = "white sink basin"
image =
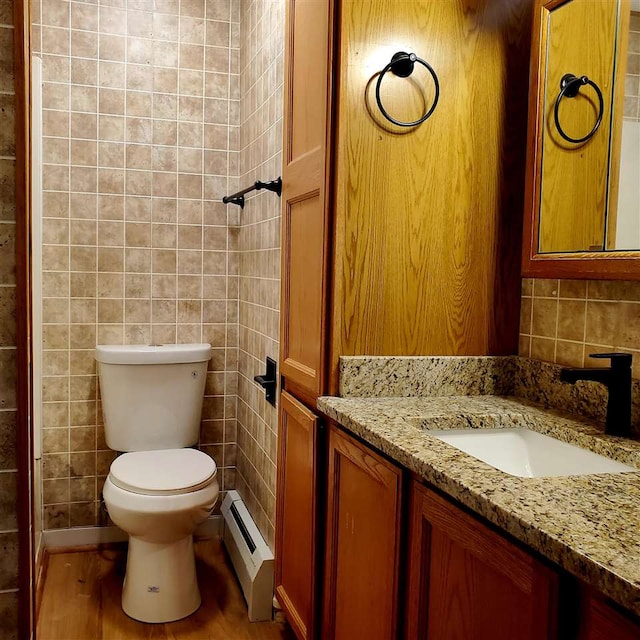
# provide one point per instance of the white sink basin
(528, 454)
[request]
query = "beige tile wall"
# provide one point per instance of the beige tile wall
(8, 520)
(141, 128)
(564, 321)
(261, 81)
(632, 84)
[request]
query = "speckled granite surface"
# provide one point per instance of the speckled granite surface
(375, 376)
(588, 525)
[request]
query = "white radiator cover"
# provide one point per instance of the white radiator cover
(253, 568)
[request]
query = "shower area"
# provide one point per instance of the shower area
(151, 112)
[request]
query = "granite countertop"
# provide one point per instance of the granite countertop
(588, 525)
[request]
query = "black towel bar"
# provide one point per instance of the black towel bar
(238, 198)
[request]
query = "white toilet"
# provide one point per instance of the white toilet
(159, 491)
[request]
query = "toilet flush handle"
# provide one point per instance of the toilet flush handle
(269, 381)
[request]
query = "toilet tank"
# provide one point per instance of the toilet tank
(152, 395)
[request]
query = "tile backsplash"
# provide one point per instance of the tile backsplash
(141, 141)
(563, 321)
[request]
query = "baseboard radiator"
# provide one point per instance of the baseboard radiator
(251, 557)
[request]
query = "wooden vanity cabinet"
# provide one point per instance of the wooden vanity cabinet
(307, 133)
(297, 527)
(362, 554)
(391, 245)
(434, 571)
(599, 620)
(467, 582)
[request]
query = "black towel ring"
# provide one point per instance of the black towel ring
(569, 88)
(402, 65)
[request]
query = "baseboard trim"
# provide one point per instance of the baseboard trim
(53, 539)
(81, 537)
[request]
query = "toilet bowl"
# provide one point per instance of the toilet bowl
(159, 489)
(159, 498)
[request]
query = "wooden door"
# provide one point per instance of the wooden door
(363, 539)
(467, 582)
(305, 214)
(296, 568)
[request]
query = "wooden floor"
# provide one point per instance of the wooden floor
(82, 591)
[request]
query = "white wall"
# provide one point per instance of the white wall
(628, 224)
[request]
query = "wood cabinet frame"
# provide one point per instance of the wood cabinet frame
(305, 178)
(601, 619)
(24, 438)
(610, 265)
(311, 429)
(343, 446)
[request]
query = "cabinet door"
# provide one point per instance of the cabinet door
(601, 621)
(467, 582)
(305, 215)
(362, 551)
(296, 545)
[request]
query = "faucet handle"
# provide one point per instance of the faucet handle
(617, 358)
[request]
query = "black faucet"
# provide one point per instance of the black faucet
(617, 379)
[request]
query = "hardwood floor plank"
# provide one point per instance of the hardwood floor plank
(82, 592)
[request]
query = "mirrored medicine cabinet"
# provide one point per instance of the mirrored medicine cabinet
(582, 207)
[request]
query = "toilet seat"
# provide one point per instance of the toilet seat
(163, 472)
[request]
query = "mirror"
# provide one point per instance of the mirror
(627, 234)
(583, 191)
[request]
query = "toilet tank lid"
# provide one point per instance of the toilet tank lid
(153, 354)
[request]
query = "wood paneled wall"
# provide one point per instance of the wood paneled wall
(428, 222)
